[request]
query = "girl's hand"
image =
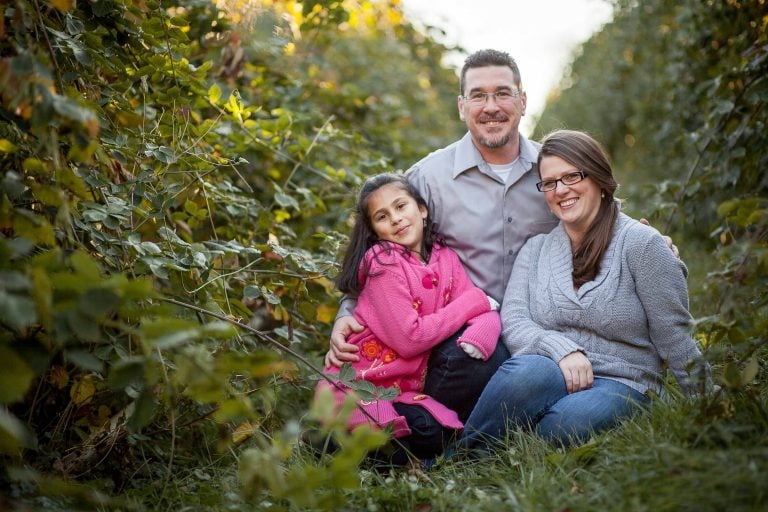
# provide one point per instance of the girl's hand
(577, 371)
(471, 350)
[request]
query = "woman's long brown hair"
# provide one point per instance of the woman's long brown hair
(587, 155)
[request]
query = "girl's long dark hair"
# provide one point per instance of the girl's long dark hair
(363, 236)
(586, 154)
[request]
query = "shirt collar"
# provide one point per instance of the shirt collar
(529, 152)
(468, 157)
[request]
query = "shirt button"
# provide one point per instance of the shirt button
(510, 252)
(509, 219)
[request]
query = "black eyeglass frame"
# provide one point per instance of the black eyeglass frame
(566, 180)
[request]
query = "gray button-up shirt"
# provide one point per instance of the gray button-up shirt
(485, 220)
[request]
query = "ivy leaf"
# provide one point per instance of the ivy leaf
(7, 146)
(82, 391)
(251, 292)
(63, 5)
(85, 267)
(144, 409)
(346, 373)
(150, 247)
(97, 302)
(325, 313)
(84, 360)
(214, 93)
(271, 297)
(387, 393)
(166, 333)
(70, 109)
(171, 236)
(366, 390)
(750, 371)
(14, 281)
(284, 199)
(15, 376)
(127, 372)
(14, 434)
(16, 310)
(84, 327)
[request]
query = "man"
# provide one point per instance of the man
(482, 195)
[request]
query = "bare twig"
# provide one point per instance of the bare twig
(309, 149)
(44, 30)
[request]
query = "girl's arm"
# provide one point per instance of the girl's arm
(482, 331)
(394, 319)
(663, 291)
(520, 332)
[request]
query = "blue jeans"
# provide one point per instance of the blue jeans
(456, 380)
(528, 392)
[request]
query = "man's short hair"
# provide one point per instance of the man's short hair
(483, 58)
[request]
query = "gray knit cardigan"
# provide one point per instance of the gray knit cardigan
(627, 321)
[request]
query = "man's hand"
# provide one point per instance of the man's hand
(667, 239)
(577, 371)
(341, 351)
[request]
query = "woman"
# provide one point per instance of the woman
(591, 312)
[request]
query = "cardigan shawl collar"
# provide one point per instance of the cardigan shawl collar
(557, 250)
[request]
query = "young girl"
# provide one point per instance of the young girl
(412, 294)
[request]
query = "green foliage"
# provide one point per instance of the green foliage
(174, 187)
(174, 182)
(265, 471)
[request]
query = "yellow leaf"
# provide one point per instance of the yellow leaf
(103, 416)
(7, 146)
(59, 377)
(63, 5)
(325, 313)
(243, 432)
(750, 371)
(82, 392)
(281, 216)
(326, 283)
(214, 93)
(92, 126)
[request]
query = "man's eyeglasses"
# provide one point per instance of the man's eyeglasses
(478, 98)
(571, 178)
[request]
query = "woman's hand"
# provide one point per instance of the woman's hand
(577, 371)
(341, 351)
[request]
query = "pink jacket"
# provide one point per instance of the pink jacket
(407, 308)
